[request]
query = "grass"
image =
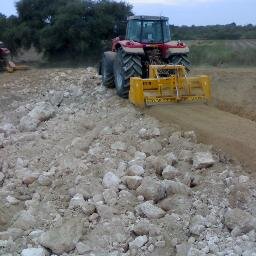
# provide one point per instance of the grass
(219, 53)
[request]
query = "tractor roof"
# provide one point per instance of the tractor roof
(143, 17)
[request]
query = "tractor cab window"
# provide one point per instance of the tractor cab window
(134, 30)
(148, 31)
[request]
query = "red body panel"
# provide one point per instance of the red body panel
(116, 42)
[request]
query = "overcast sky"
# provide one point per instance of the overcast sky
(185, 12)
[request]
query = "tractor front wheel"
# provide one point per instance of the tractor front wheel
(181, 59)
(126, 66)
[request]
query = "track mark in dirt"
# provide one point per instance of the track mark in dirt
(231, 133)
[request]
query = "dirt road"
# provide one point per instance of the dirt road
(231, 133)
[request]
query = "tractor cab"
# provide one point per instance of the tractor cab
(148, 30)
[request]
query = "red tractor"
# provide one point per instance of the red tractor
(147, 42)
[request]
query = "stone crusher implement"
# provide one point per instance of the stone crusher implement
(168, 84)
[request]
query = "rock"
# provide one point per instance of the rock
(178, 204)
(88, 208)
(63, 238)
(243, 179)
(105, 212)
(119, 145)
(160, 244)
(140, 155)
(151, 211)
(12, 200)
(151, 189)
(151, 146)
(44, 180)
(156, 163)
(197, 225)
(191, 135)
(239, 221)
(135, 170)
(76, 91)
(1, 140)
(21, 163)
(34, 252)
(133, 182)
(138, 242)
(78, 201)
(170, 173)
(11, 233)
(171, 158)
(110, 197)
(175, 187)
(183, 249)
(43, 111)
(83, 248)
(185, 155)
(110, 180)
(24, 220)
(2, 177)
(149, 133)
(29, 178)
(8, 129)
(142, 227)
(151, 248)
(203, 160)
(34, 235)
(56, 98)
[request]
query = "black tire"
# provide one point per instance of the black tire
(181, 59)
(126, 66)
(106, 69)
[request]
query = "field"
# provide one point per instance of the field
(223, 53)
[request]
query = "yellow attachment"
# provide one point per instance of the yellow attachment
(168, 84)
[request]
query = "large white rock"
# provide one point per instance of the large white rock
(138, 242)
(203, 160)
(1, 140)
(110, 196)
(135, 170)
(239, 221)
(25, 220)
(151, 146)
(110, 180)
(43, 111)
(119, 145)
(63, 238)
(56, 97)
(34, 252)
(7, 129)
(83, 248)
(151, 211)
(133, 182)
(151, 189)
(170, 172)
(197, 225)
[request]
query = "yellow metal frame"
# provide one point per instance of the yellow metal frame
(175, 88)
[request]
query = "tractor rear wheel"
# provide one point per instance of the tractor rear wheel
(126, 66)
(106, 69)
(181, 59)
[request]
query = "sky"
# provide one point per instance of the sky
(184, 12)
